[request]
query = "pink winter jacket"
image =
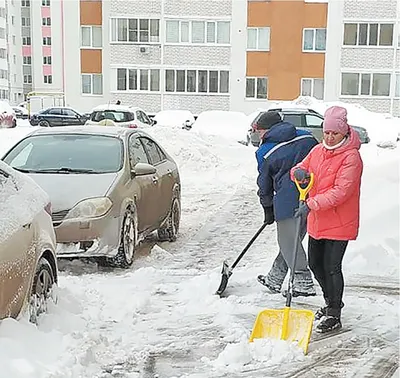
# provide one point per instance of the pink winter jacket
(334, 200)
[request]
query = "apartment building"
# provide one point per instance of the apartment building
(363, 54)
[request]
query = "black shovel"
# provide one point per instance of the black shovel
(227, 270)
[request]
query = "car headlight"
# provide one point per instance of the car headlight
(90, 208)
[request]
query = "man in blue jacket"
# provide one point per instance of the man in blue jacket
(282, 147)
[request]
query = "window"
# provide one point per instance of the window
(197, 81)
(204, 32)
(25, 21)
(2, 33)
(365, 84)
(91, 36)
(132, 79)
(13, 20)
(14, 59)
(27, 60)
(154, 152)
(45, 3)
(397, 89)
(135, 30)
(27, 79)
(314, 40)
(3, 53)
(313, 88)
(25, 3)
(3, 14)
(47, 41)
(368, 34)
(14, 39)
(46, 21)
(137, 153)
(47, 60)
(3, 74)
(313, 121)
(258, 38)
(256, 87)
(92, 84)
(26, 41)
(47, 79)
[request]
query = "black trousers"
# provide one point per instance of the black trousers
(325, 261)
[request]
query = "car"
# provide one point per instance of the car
(28, 263)
(175, 118)
(57, 116)
(21, 112)
(8, 118)
(301, 118)
(110, 187)
(120, 115)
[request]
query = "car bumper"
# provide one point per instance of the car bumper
(88, 237)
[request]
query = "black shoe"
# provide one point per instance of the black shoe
(263, 281)
(297, 293)
(329, 324)
(319, 314)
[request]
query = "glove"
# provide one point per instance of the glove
(302, 210)
(301, 175)
(269, 217)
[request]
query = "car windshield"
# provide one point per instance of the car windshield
(67, 153)
(113, 115)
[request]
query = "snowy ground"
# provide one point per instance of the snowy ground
(161, 319)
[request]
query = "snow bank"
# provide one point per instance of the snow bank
(383, 129)
(20, 201)
(174, 118)
(229, 125)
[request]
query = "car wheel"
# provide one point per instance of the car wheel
(14, 124)
(42, 290)
(126, 250)
(169, 231)
(44, 123)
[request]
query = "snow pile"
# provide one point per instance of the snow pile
(229, 125)
(260, 353)
(174, 118)
(21, 199)
(383, 129)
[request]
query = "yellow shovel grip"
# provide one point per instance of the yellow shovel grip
(304, 192)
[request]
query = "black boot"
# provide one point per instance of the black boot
(328, 324)
(319, 314)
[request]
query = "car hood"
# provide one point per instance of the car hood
(66, 190)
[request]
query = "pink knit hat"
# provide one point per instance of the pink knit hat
(335, 119)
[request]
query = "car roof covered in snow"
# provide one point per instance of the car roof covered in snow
(113, 107)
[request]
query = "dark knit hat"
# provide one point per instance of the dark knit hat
(268, 119)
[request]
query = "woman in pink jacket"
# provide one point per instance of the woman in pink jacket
(333, 208)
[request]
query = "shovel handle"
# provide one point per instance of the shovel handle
(304, 191)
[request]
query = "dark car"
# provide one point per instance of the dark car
(305, 119)
(57, 116)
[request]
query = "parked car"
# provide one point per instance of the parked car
(302, 118)
(28, 264)
(21, 112)
(7, 115)
(175, 118)
(57, 116)
(110, 187)
(119, 115)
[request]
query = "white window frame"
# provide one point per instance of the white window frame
(190, 34)
(27, 79)
(257, 48)
(197, 92)
(396, 82)
(138, 79)
(47, 39)
(91, 27)
(46, 60)
(314, 30)
(370, 72)
(369, 22)
(26, 21)
(25, 39)
(92, 84)
(138, 42)
(48, 79)
(255, 98)
(47, 21)
(312, 86)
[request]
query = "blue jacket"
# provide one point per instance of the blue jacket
(283, 146)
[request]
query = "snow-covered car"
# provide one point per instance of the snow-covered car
(109, 187)
(7, 115)
(119, 115)
(28, 264)
(175, 118)
(227, 124)
(21, 112)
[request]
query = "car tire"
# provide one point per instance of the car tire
(128, 241)
(14, 124)
(42, 290)
(169, 230)
(44, 123)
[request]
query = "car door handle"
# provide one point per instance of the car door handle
(155, 180)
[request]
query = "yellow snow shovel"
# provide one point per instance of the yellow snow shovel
(287, 324)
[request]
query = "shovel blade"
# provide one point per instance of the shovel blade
(226, 273)
(286, 324)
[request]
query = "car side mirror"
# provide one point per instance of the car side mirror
(143, 169)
